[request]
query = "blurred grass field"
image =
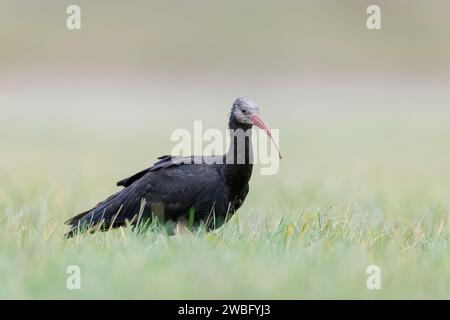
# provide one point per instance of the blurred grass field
(355, 188)
(364, 126)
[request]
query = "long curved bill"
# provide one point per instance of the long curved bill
(257, 121)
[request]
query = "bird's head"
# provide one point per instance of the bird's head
(245, 113)
(243, 110)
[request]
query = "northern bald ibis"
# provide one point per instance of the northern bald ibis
(179, 189)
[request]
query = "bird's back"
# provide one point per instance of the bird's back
(170, 190)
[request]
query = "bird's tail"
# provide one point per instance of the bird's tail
(103, 216)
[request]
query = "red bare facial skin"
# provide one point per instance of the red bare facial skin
(257, 121)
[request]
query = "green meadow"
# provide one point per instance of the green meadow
(356, 187)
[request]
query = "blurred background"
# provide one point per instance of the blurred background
(363, 115)
(139, 69)
(186, 54)
(136, 64)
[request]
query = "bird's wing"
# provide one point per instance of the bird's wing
(172, 190)
(168, 188)
(163, 162)
(166, 161)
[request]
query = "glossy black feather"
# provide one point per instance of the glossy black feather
(173, 189)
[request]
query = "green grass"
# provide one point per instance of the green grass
(353, 190)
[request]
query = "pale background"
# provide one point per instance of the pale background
(364, 130)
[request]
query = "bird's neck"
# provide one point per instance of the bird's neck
(239, 158)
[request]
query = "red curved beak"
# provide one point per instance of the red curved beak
(257, 121)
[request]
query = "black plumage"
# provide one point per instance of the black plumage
(206, 189)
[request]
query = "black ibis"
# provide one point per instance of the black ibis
(194, 189)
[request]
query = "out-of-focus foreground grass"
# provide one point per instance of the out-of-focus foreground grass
(355, 188)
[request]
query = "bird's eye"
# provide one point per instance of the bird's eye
(244, 111)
